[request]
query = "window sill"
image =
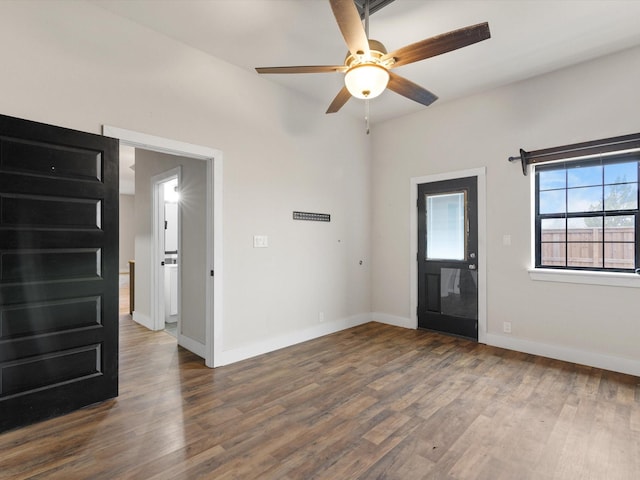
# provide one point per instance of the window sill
(611, 279)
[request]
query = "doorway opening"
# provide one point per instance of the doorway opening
(166, 246)
(126, 234)
(211, 275)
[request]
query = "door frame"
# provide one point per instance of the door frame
(214, 284)
(157, 249)
(480, 174)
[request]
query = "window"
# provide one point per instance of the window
(446, 233)
(586, 214)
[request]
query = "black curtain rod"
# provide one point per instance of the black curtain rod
(594, 147)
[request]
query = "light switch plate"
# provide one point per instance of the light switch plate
(260, 241)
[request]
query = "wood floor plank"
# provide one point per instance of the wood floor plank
(370, 402)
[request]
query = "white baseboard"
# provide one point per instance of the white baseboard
(143, 320)
(192, 345)
(393, 320)
(591, 359)
(287, 340)
(557, 352)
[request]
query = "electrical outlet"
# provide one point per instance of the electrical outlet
(506, 327)
(321, 317)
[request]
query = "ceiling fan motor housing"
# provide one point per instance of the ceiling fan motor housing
(376, 51)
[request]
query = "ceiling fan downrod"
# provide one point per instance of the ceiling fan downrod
(366, 18)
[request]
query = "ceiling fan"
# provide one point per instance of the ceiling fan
(367, 66)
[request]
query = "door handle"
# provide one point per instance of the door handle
(472, 266)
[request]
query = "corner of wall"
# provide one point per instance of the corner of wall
(290, 339)
(394, 320)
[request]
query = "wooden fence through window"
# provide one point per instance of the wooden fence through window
(584, 247)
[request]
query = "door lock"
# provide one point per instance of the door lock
(472, 266)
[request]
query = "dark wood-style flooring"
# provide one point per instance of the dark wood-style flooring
(371, 402)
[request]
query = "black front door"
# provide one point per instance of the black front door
(447, 257)
(58, 270)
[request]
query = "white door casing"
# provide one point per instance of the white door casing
(214, 285)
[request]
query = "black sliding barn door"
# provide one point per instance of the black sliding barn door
(58, 270)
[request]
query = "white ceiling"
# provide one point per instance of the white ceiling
(529, 37)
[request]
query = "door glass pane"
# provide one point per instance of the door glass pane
(459, 292)
(445, 226)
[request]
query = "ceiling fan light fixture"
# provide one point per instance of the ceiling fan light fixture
(368, 64)
(367, 80)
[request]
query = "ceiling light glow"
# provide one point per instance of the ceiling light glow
(367, 80)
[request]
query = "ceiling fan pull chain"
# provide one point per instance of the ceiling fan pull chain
(366, 115)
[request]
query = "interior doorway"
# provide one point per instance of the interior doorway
(211, 258)
(166, 245)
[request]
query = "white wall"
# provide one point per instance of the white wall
(78, 66)
(586, 323)
(127, 231)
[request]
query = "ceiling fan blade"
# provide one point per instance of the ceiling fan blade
(342, 98)
(439, 44)
(350, 25)
(410, 90)
(307, 69)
